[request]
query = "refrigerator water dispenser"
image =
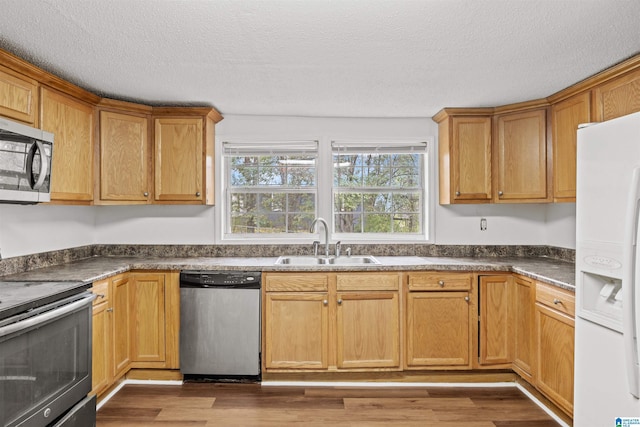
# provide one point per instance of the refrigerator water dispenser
(601, 300)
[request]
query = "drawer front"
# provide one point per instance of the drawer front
(556, 298)
(439, 281)
(368, 281)
(313, 282)
(101, 289)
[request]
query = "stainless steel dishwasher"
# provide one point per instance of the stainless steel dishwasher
(220, 325)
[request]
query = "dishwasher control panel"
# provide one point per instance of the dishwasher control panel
(229, 278)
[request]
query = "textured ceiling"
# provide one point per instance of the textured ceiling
(348, 58)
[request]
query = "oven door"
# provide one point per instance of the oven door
(45, 362)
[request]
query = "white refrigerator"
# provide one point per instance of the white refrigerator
(606, 386)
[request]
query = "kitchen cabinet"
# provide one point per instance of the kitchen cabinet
(618, 96)
(496, 311)
(72, 123)
(464, 153)
(155, 313)
(368, 320)
(343, 321)
(124, 157)
(18, 97)
(523, 340)
(184, 155)
(111, 351)
(554, 314)
(566, 115)
(522, 172)
(439, 309)
(295, 321)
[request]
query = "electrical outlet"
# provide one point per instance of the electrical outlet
(483, 224)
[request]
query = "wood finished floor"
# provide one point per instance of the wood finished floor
(207, 404)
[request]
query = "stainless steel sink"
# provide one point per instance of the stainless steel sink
(321, 260)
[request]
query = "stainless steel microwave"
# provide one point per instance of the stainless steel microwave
(25, 163)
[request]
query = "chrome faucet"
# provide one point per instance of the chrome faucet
(326, 233)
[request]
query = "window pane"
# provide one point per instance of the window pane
(407, 202)
(377, 202)
(302, 202)
(348, 223)
(377, 223)
(301, 176)
(406, 223)
(299, 222)
(348, 202)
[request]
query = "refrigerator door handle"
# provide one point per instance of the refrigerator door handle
(630, 295)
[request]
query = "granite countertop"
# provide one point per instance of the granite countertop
(548, 270)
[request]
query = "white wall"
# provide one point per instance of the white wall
(31, 229)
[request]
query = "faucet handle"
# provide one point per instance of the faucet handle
(316, 244)
(348, 250)
(338, 246)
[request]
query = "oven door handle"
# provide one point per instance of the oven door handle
(46, 317)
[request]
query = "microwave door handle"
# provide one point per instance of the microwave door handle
(44, 165)
(46, 317)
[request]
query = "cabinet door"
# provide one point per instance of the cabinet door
(101, 338)
(368, 330)
(121, 325)
(71, 122)
(495, 320)
(471, 159)
(555, 345)
(524, 343)
(618, 97)
(521, 152)
(178, 159)
(18, 96)
(148, 312)
(438, 329)
(565, 118)
(296, 330)
(124, 157)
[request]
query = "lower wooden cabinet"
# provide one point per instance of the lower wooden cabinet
(332, 321)
(523, 322)
(555, 330)
(496, 320)
(111, 332)
(439, 308)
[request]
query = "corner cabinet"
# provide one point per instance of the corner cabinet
(522, 170)
(496, 320)
(618, 96)
(124, 157)
(439, 309)
(72, 123)
(184, 155)
(332, 321)
(464, 153)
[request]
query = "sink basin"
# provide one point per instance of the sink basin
(321, 260)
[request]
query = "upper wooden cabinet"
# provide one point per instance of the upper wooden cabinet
(124, 158)
(618, 97)
(464, 153)
(520, 152)
(183, 154)
(18, 97)
(566, 115)
(71, 121)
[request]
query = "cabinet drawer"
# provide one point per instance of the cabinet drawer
(556, 298)
(101, 289)
(439, 281)
(296, 282)
(368, 281)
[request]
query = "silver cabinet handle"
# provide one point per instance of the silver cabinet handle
(145, 194)
(500, 193)
(466, 298)
(339, 301)
(557, 301)
(325, 302)
(110, 309)
(441, 283)
(197, 194)
(457, 193)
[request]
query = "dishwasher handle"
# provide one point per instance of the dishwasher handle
(186, 285)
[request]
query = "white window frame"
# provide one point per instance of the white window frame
(324, 201)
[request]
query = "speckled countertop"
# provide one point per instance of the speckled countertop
(548, 270)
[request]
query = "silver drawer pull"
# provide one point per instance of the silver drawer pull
(557, 301)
